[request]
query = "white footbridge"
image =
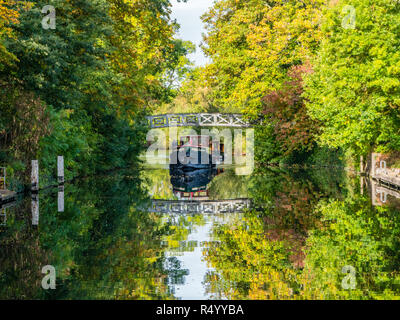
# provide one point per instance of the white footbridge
(198, 120)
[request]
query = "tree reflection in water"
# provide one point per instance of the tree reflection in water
(101, 245)
(296, 245)
(303, 229)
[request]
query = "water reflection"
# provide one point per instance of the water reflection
(60, 201)
(302, 228)
(382, 195)
(3, 216)
(192, 184)
(35, 209)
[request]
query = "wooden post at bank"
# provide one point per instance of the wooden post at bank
(362, 185)
(373, 191)
(361, 164)
(35, 209)
(373, 164)
(60, 169)
(60, 199)
(35, 176)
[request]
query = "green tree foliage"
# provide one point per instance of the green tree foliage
(178, 65)
(102, 246)
(147, 57)
(257, 45)
(354, 90)
(356, 235)
(9, 14)
(57, 64)
(81, 89)
(253, 43)
(193, 95)
(24, 121)
(295, 246)
(260, 51)
(247, 264)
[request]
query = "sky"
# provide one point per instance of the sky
(188, 16)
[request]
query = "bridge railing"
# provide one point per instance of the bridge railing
(195, 207)
(198, 119)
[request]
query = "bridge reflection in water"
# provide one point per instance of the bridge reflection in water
(200, 206)
(191, 189)
(189, 182)
(198, 244)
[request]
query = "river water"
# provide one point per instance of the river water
(275, 234)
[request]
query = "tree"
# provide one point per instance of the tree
(286, 112)
(57, 64)
(147, 57)
(253, 44)
(9, 14)
(92, 76)
(355, 89)
(193, 95)
(360, 238)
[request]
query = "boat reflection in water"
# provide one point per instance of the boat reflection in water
(193, 164)
(192, 184)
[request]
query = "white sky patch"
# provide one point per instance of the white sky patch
(188, 16)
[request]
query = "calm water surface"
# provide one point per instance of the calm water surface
(132, 235)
